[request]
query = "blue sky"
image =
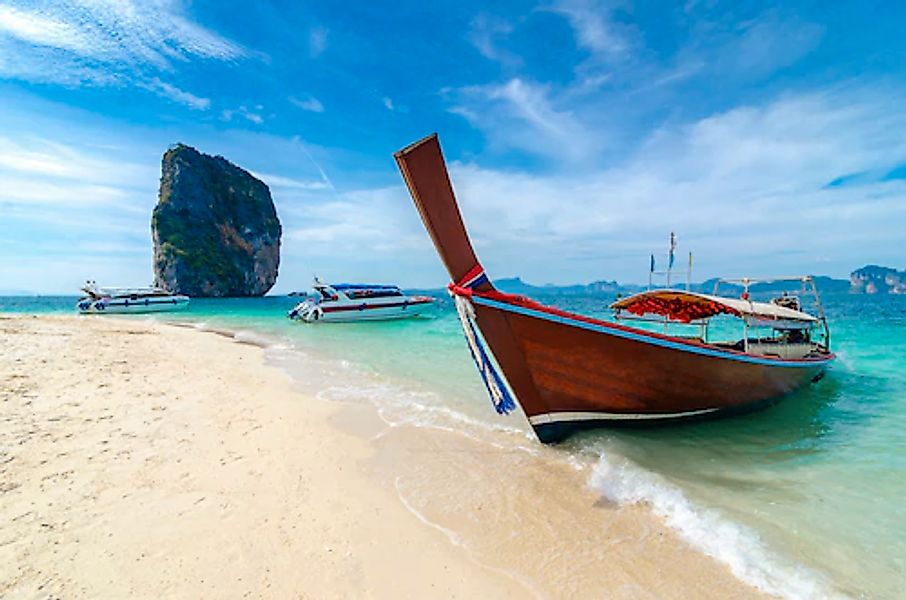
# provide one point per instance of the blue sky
(771, 138)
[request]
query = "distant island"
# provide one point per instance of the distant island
(870, 279)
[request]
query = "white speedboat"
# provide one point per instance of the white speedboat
(99, 300)
(344, 302)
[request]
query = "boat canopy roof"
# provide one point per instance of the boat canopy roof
(359, 286)
(684, 307)
(95, 290)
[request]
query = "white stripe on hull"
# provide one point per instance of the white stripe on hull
(373, 314)
(136, 309)
(570, 417)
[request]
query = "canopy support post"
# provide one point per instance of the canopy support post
(689, 274)
(821, 314)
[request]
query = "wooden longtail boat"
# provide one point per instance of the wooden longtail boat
(569, 371)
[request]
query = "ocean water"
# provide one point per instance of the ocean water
(806, 499)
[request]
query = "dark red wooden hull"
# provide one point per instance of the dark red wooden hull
(568, 376)
(568, 371)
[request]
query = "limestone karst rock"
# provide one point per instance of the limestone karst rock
(215, 228)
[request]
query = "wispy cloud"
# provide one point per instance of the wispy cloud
(317, 41)
(40, 30)
(376, 220)
(771, 42)
(74, 210)
(52, 195)
(31, 192)
(102, 42)
(485, 32)
(744, 186)
(310, 103)
(521, 114)
(244, 113)
(750, 50)
(594, 27)
(280, 181)
(392, 106)
(177, 95)
(47, 160)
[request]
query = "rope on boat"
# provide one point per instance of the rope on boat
(500, 396)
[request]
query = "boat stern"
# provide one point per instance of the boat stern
(307, 311)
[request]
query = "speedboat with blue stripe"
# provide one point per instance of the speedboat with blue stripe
(346, 302)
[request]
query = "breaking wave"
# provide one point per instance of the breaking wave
(737, 546)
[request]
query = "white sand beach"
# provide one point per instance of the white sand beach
(141, 460)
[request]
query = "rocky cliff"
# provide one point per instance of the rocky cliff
(215, 228)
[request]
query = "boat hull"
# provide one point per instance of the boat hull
(570, 375)
(364, 312)
(133, 307)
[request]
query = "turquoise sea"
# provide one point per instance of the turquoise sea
(806, 499)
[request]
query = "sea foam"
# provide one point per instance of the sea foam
(740, 548)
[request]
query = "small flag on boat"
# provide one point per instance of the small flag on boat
(652, 264)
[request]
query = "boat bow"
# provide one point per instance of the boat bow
(425, 172)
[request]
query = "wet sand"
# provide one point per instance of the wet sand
(144, 460)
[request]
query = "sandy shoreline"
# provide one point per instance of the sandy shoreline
(145, 460)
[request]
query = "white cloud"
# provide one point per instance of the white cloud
(279, 181)
(750, 50)
(317, 41)
(747, 186)
(594, 27)
(47, 160)
(243, 113)
(177, 95)
(43, 31)
(484, 33)
(102, 41)
(365, 221)
(31, 192)
(520, 114)
(531, 104)
(310, 104)
(73, 210)
(392, 106)
(746, 189)
(68, 220)
(770, 43)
